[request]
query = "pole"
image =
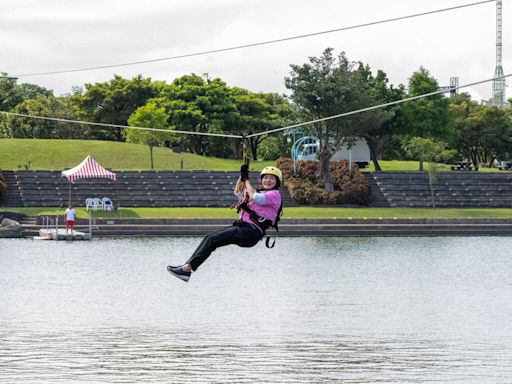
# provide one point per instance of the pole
(294, 156)
(90, 226)
(69, 197)
(57, 227)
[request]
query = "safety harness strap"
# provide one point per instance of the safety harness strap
(260, 221)
(264, 223)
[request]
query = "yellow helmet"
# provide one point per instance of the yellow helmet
(272, 171)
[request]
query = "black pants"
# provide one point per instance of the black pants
(241, 234)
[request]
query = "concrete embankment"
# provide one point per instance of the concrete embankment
(299, 227)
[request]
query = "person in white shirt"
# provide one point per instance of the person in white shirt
(70, 218)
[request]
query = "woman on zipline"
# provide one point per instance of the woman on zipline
(258, 210)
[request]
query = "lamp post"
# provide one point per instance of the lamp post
(350, 160)
(294, 148)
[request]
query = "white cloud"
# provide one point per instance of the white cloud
(40, 36)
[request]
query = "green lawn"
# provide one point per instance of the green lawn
(62, 154)
(399, 165)
(291, 212)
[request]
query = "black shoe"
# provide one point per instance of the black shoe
(179, 273)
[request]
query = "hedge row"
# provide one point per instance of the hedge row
(305, 186)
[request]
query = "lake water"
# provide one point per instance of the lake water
(312, 310)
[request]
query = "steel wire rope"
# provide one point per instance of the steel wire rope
(374, 107)
(258, 133)
(81, 122)
(254, 44)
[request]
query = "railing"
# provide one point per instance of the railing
(51, 225)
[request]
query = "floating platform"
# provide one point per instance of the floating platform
(60, 234)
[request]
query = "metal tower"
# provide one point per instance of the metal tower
(453, 89)
(498, 85)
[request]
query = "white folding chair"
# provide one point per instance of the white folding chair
(108, 205)
(97, 203)
(89, 203)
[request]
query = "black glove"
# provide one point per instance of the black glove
(244, 172)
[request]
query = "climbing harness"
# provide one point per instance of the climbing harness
(263, 223)
(243, 198)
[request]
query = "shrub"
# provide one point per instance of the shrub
(3, 186)
(308, 170)
(306, 188)
(296, 189)
(285, 164)
(314, 195)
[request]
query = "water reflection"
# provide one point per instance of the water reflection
(407, 310)
(156, 355)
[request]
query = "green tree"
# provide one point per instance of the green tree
(482, 133)
(258, 112)
(273, 147)
(426, 149)
(148, 116)
(202, 105)
(113, 102)
(378, 126)
(10, 94)
(327, 86)
(427, 117)
(44, 106)
(32, 91)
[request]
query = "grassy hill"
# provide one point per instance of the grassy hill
(61, 154)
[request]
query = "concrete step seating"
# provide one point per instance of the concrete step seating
(215, 189)
(451, 189)
(377, 198)
(12, 197)
(132, 189)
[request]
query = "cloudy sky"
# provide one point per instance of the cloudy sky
(52, 35)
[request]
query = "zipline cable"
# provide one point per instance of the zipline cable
(244, 137)
(373, 107)
(255, 44)
(121, 126)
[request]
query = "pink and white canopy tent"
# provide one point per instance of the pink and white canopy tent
(87, 169)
